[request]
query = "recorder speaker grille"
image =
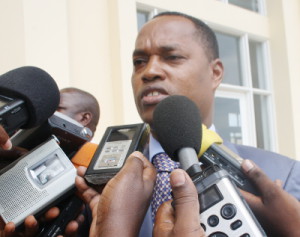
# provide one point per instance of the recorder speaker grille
(17, 193)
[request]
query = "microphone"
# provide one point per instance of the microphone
(177, 125)
(177, 122)
(28, 96)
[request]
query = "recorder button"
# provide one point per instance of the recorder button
(235, 225)
(203, 226)
(245, 235)
(213, 220)
(218, 234)
(228, 211)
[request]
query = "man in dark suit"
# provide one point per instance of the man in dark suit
(176, 54)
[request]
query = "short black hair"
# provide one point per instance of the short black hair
(203, 31)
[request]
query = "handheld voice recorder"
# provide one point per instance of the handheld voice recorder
(223, 210)
(220, 155)
(116, 145)
(12, 114)
(35, 181)
(71, 134)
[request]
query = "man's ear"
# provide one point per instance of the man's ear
(218, 72)
(86, 118)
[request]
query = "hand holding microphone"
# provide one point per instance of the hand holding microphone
(5, 141)
(8, 153)
(28, 97)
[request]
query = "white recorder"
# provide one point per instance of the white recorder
(35, 181)
(223, 211)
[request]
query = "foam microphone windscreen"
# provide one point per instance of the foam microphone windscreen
(177, 124)
(36, 88)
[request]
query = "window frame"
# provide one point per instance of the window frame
(246, 92)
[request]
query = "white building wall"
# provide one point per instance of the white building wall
(88, 44)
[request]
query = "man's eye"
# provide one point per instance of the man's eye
(138, 61)
(173, 57)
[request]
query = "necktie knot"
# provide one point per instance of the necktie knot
(163, 163)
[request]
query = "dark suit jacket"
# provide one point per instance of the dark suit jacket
(274, 165)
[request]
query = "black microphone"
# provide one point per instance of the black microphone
(28, 97)
(177, 125)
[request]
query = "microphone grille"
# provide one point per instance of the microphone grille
(177, 124)
(36, 87)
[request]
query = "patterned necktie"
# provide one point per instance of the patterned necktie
(162, 189)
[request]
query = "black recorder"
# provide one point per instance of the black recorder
(223, 210)
(12, 114)
(116, 145)
(220, 155)
(71, 134)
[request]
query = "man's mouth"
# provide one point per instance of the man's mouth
(153, 93)
(153, 97)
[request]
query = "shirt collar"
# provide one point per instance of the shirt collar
(154, 147)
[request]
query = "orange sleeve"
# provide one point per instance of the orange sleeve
(85, 154)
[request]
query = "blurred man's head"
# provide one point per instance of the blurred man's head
(80, 106)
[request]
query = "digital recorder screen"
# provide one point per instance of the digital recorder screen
(122, 134)
(209, 197)
(2, 102)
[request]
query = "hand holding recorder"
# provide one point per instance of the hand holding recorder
(124, 200)
(277, 210)
(5, 142)
(182, 217)
(23, 107)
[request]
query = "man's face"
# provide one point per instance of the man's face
(68, 106)
(169, 60)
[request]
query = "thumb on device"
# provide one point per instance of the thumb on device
(183, 219)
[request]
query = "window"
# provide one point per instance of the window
(243, 111)
(229, 49)
(243, 104)
(252, 5)
(142, 18)
(145, 13)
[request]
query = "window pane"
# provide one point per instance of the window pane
(230, 55)
(227, 119)
(142, 18)
(257, 65)
(251, 5)
(261, 122)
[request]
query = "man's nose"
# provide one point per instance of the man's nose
(153, 70)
